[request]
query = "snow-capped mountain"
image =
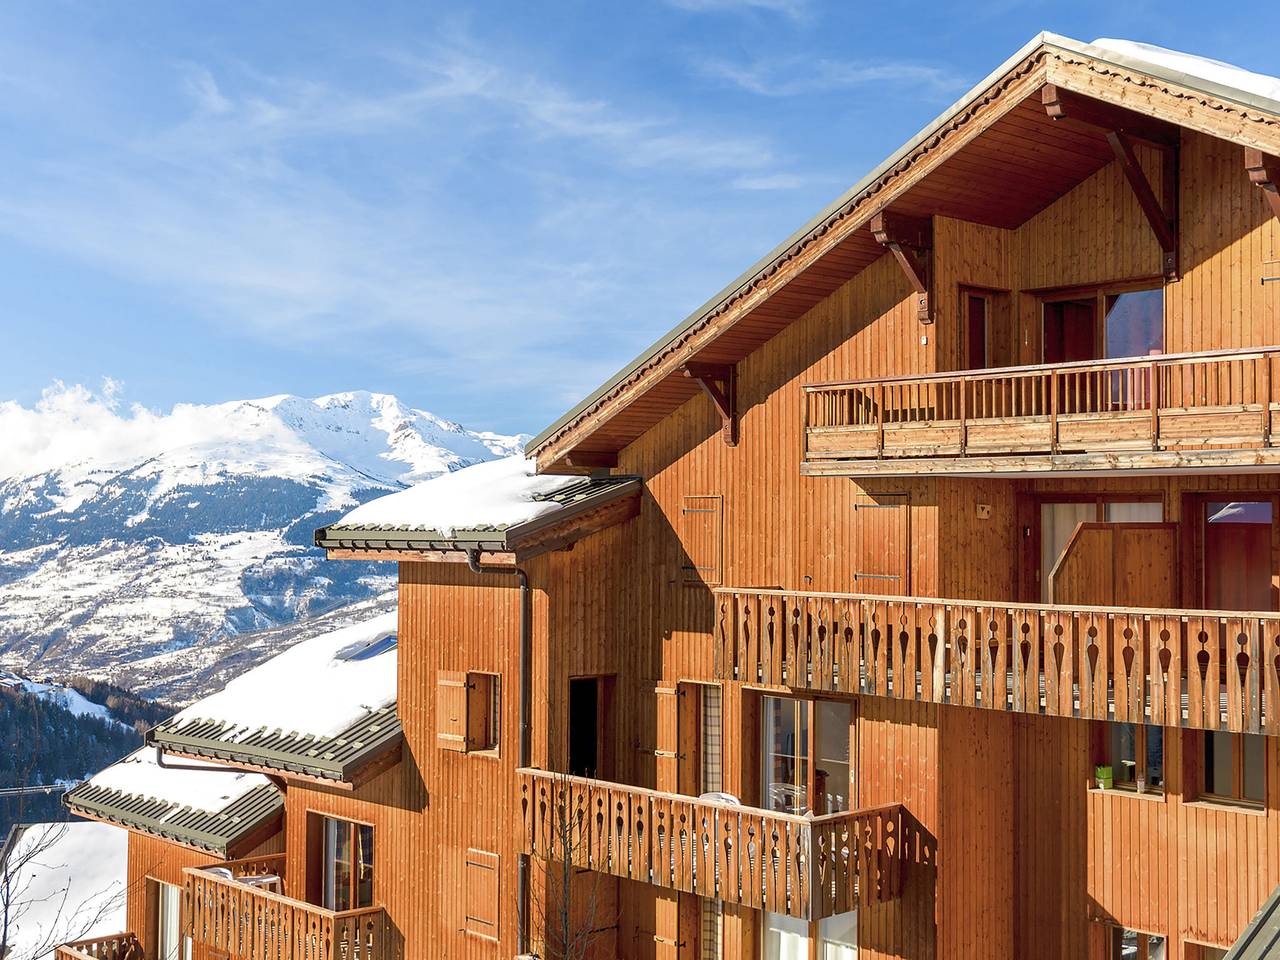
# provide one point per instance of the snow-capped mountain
(131, 568)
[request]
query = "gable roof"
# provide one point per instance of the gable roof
(205, 806)
(834, 246)
(494, 506)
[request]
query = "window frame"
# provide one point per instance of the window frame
(353, 829)
(1238, 754)
(1140, 736)
(1099, 293)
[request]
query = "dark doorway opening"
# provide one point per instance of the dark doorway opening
(591, 727)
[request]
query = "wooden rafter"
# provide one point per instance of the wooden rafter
(910, 240)
(720, 381)
(1122, 128)
(1264, 172)
(1065, 105)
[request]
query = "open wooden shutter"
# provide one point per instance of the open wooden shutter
(481, 894)
(667, 752)
(702, 537)
(451, 710)
(881, 534)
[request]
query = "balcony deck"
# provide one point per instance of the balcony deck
(1200, 669)
(806, 867)
(1167, 413)
(240, 920)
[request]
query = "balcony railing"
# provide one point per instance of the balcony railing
(117, 946)
(243, 917)
(807, 867)
(1173, 408)
(1208, 670)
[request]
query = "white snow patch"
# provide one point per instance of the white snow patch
(319, 687)
(1214, 71)
(497, 494)
(188, 783)
(70, 881)
(64, 697)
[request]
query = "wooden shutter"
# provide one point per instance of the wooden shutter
(702, 538)
(667, 752)
(882, 547)
(481, 894)
(451, 710)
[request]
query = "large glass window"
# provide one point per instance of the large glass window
(1134, 324)
(831, 770)
(170, 943)
(787, 938)
(785, 754)
(348, 865)
(1235, 766)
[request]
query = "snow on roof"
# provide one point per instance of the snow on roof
(69, 882)
(1212, 71)
(319, 687)
(188, 783)
(488, 496)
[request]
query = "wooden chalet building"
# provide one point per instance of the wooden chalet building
(915, 597)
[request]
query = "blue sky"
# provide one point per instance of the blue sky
(485, 209)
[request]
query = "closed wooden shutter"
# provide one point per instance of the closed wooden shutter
(702, 538)
(451, 710)
(481, 894)
(882, 557)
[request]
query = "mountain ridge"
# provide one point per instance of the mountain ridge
(125, 567)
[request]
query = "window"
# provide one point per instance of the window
(788, 938)
(977, 311)
(591, 727)
(1135, 753)
(711, 930)
(468, 711)
(482, 894)
(800, 737)
(1134, 323)
(1103, 324)
(1235, 766)
(1125, 944)
(167, 911)
(347, 866)
(702, 539)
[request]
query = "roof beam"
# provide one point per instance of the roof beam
(1161, 215)
(1065, 105)
(1264, 172)
(1122, 127)
(720, 382)
(910, 240)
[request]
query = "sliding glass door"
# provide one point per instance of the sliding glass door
(806, 767)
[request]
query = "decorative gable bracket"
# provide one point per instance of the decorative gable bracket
(720, 381)
(1264, 172)
(910, 240)
(1122, 128)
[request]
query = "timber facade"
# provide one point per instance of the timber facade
(932, 608)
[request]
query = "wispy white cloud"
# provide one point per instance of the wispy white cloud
(794, 76)
(796, 9)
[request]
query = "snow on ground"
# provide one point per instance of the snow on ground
(499, 493)
(319, 687)
(69, 882)
(1214, 71)
(64, 697)
(189, 783)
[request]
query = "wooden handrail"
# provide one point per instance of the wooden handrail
(1198, 669)
(249, 922)
(116, 946)
(1242, 353)
(807, 867)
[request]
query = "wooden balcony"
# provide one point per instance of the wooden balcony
(243, 918)
(117, 946)
(1180, 668)
(807, 867)
(1170, 412)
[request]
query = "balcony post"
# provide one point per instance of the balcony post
(1266, 399)
(964, 416)
(1053, 410)
(880, 420)
(1155, 406)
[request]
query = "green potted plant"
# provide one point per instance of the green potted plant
(1104, 778)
